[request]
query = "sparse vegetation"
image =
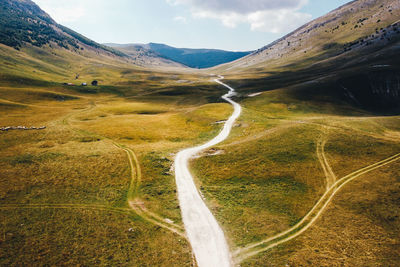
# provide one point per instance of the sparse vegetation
(23, 22)
(73, 170)
(97, 187)
(269, 177)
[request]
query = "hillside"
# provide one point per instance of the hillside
(194, 58)
(351, 50)
(23, 22)
(299, 181)
(356, 25)
(144, 56)
(34, 46)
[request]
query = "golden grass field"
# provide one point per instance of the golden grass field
(96, 186)
(269, 176)
(305, 178)
(65, 190)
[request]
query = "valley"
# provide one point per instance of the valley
(291, 158)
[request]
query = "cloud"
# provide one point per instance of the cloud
(180, 19)
(63, 12)
(62, 15)
(240, 6)
(277, 22)
(275, 16)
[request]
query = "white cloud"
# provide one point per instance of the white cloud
(240, 6)
(180, 19)
(277, 22)
(63, 12)
(275, 16)
(62, 15)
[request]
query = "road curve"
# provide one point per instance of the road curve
(205, 235)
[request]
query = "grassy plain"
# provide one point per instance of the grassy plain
(65, 190)
(96, 187)
(73, 184)
(268, 176)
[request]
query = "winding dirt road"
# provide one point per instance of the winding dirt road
(205, 235)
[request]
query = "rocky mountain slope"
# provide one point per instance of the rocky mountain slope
(356, 25)
(352, 50)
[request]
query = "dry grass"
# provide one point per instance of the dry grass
(71, 177)
(269, 176)
(359, 228)
(65, 190)
(38, 237)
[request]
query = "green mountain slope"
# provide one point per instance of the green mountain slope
(23, 22)
(34, 46)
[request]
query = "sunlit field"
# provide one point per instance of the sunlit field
(72, 183)
(90, 135)
(282, 157)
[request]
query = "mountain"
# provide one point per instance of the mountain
(194, 58)
(23, 22)
(34, 46)
(352, 50)
(356, 25)
(144, 56)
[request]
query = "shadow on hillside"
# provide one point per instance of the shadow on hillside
(370, 82)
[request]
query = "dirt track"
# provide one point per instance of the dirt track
(308, 220)
(205, 235)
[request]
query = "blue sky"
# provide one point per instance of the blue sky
(224, 24)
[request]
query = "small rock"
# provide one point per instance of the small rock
(169, 221)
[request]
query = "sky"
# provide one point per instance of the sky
(237, 25)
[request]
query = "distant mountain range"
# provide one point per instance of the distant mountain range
(194, 58)
(42, 48)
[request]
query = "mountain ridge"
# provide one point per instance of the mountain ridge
(23, 22)
(34, 46)
(191, 57)
(336, 32)
(350, 53)
(42, 48)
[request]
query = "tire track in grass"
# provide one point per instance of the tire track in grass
(133, 191)
(329, 174)
(133, 195)
(253, 249)
(136, 177)
(66, 206)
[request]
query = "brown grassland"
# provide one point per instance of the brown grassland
(74, 194)
(305, 178)
(65, 190)
(268, 176)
